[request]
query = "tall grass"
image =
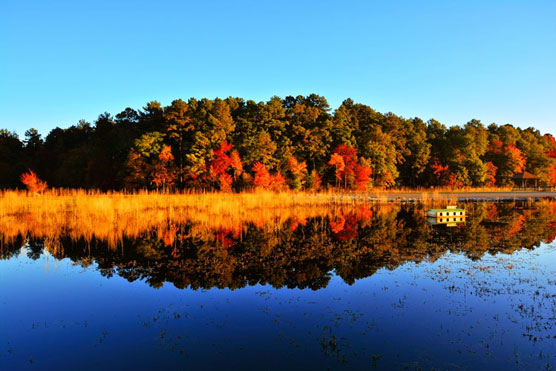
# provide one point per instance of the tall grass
(111, 216)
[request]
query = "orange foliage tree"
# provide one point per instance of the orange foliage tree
(222, 163)
(162, 174)
(348, 170)
(345, 168)
(33, 182)
(338, 162)
(507, 158)
(298, 171)
(551, 153)
(316, 180)
(278, 182)
(491, 174)
(151, 162)
(362, 177)
(264, 180)
(236, 164)
(517, 160)
(551, 146)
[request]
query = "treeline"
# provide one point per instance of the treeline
(295, 142)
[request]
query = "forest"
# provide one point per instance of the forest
(295, 143)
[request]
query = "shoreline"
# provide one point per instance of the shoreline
(457, 196)
(283, 198)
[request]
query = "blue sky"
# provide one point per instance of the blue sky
(61, 61)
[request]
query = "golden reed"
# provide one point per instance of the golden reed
(111, 216)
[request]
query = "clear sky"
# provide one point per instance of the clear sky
(61, 61)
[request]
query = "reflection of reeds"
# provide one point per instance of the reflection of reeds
(111, 216)
(82, 215)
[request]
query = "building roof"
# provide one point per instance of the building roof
(525, 175)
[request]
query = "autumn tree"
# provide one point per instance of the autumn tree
(163, 174)
(344, 160)
(349, 172)
(314, 181)
(444, 176)
(264, 180)
(363, 174)
(298, 172)
(223, 163)
(507, 158)
(551, 153)
(491, 174)
(337, 161)
(33, 182)
(150, 162)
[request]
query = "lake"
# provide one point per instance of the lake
(356, 287)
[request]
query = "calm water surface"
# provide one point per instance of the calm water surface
(379, 287)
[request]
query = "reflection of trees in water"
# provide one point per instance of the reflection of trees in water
(302, 252)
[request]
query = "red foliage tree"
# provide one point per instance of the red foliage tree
(440, 171)
(33, 182)
(552, 145)
(444, 176)
(278, 182)
(348, 170)
(218, 168)
(349, 155)
(344, 227)
(552, 179)
(262, 178)
(362, 177)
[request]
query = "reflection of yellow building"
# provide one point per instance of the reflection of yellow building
(447, 221)
(450, 216)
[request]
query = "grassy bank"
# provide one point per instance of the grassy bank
(112, 216)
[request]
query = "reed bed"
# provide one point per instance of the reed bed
(112, 216)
